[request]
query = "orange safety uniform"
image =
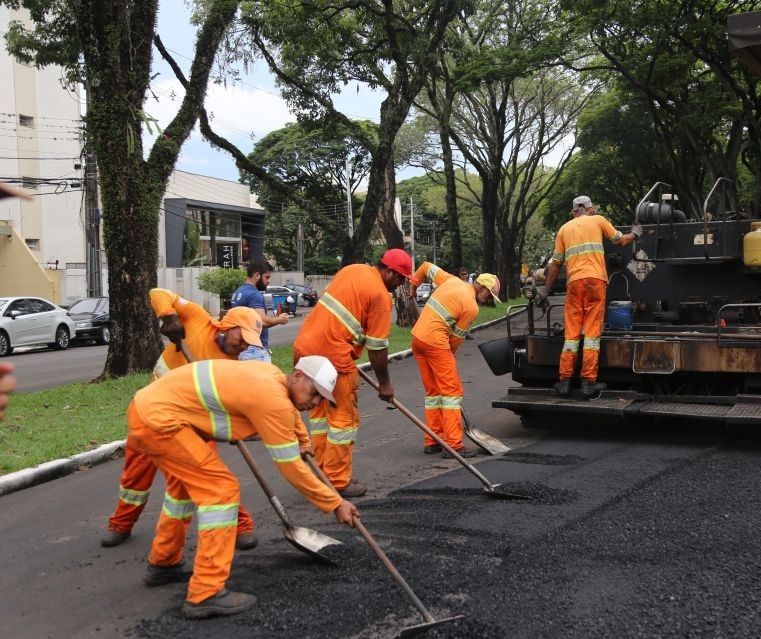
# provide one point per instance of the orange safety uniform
(579, 245)
(139, 470)
(353, 312)
(438, 333)
(172, 419)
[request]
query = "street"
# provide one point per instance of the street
(40, 368)
(639, 532)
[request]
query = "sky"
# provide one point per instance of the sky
(242, 112)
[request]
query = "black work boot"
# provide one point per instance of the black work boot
(590, 389)
(432, 449)
(225, 602)
(353, 490)
(246, 541)
(462, 452)
(162, 575)
(114, 538)
(563, 387)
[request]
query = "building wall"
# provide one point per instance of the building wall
(20, 274)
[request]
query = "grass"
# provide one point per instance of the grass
(60, 422)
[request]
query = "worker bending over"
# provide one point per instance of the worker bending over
(207, 339)
(353, 312)
(442, 326)
(172, 419)
(579, 246)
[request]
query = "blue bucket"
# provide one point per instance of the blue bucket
(620, 316)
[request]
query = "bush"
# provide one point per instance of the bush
(223, 282)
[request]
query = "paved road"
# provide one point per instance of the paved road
(40, 368)
(630, 533)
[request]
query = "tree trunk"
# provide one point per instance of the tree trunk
(450, 198)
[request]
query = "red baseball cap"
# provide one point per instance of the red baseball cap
(398, 260)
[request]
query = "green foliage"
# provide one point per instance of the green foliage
(222, 282)
(190, 243)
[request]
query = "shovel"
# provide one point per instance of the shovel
(483, 440)
(409, 631)
(492, 490)
(305, 539)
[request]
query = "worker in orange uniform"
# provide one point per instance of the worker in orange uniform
(353, 312)
(207, 339)
(442, 326)
(172, 419)
(579, 245)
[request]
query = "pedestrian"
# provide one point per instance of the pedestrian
(173, 418)
(579, 245)
(353, 312)
(464, 274)
(207, 339)
(443, 324)
(251, 294)
(7, 386)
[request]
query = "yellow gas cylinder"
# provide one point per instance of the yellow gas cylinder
(752, 245)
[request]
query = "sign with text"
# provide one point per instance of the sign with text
(227, 255)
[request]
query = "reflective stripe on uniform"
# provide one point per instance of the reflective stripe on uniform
(134, 497)
(432, 401)
(375, 343)
(206, 389)
(160, 368)
(558, 257)
(460, 332)
(571, 345)
(441, 311)
(178, 508)
(433, 272)
(616, 236)
(342, 436)
(344, 316)
(451, 402)
(586, 247)
(318, 425)
(591, 343)
(218, 516)
(282, 453)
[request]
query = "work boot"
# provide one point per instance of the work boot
(162, 575)
(246, 541)
(225, 602)
(462, 452)
(590, 389)
(563, 387)
(354, 489)
(114, 538)
(432, 449)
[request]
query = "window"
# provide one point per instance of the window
(21, 305)
(26, 120)
(39, 306)
(33, 243)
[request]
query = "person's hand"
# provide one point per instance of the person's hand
(306, 451)
(540, 299)
(172, 329)
(346, 512)
(7, 386)
(284, 317)
(386, 392)
(637, 230)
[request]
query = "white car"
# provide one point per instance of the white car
(28, 321)
(423, 293)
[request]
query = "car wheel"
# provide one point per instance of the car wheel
(5, 344)
(105, 335)
(61, 338)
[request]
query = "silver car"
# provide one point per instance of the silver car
(29, 321)
(423, 293)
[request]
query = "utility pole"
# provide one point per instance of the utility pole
(412, 232)
(348, 197)
(434, 241)
(300, 249)
(92, 220)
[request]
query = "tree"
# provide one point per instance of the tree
(107, 44)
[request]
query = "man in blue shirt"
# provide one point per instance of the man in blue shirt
(251, 294)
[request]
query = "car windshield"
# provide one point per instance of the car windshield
(85, 306)
(424, 287)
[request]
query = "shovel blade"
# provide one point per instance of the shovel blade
(497, 491)
(487, 442)
(412, 631)
(310, 541)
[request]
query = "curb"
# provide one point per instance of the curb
(48, 471)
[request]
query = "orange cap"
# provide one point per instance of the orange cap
(249, 321)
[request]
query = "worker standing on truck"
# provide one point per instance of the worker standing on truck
(172, 420)
(207, 339)
(251, 294)
(579, 245)
(443, 324)
(353, 312)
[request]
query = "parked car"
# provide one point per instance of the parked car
(91, 319)
(28, 321)
(423, 293)
(280, 294)
(307, 295)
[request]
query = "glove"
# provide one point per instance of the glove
(637, 230)
(540, 299)
(172, 329)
